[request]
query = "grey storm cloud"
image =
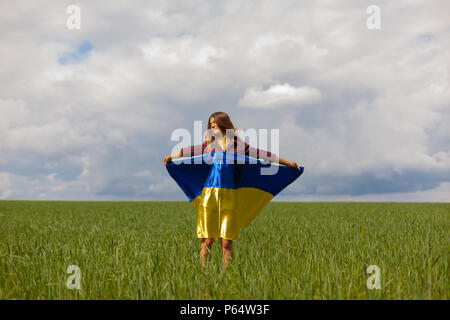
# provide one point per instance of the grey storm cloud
(88, 114)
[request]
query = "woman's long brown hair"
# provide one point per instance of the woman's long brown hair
(223, 121)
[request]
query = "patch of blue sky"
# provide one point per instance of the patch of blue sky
(426, 37)
(80, 53)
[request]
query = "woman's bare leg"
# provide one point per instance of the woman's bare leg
(206, 248)
(227, 252)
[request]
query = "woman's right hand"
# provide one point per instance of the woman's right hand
(294, 165)
(167, 159)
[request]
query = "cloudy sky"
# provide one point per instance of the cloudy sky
(87, 114)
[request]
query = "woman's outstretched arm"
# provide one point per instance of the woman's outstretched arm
(285, 162)
(172, 156)
(194, 150)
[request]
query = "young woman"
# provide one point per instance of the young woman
(225, 203)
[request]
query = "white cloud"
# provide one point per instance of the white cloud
(279, 95)
(44, 186)
(181, 50)
(439, 194)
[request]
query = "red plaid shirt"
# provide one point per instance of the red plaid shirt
(238, 146)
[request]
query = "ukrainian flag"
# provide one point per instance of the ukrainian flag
(229, 189)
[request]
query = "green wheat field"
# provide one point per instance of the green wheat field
(293, 250)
